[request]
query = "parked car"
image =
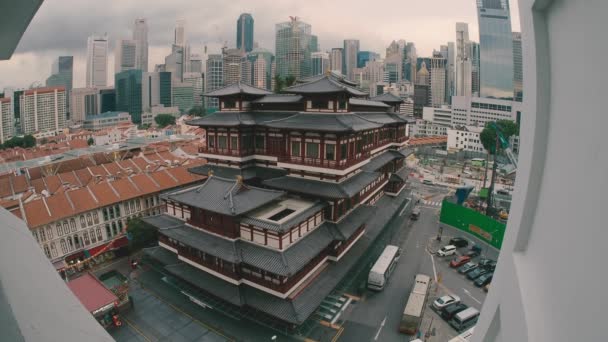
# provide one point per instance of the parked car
(472, 254)
(459, 261)
(483, 279)
(444, 301)
(468, 267)
(449, 311)
(476, 273)
(447, 250)
(488, 264)
(427, 182)
(459, 242)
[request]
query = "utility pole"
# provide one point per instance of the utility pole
(494, 167)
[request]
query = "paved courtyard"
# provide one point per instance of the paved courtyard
(152, 319)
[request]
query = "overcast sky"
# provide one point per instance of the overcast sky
(61, 27)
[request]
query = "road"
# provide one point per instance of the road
(377, 316)
(364, 320)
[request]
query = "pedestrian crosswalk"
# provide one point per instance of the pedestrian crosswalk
(431, 203)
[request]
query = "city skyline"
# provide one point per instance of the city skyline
(44, 40)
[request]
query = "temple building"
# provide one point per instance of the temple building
(300, 184)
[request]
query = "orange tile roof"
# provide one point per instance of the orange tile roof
(20, 184)
(70, 202)
(43, 90)
(53, 183)
(5, 187)
(70, 178)
(84, 176)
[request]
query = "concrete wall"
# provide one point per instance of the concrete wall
(550, 281)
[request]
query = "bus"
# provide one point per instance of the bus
(414, 309)
(382, 269)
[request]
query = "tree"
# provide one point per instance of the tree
(197, 111)
(91, 141)
(140, 234)
(290, 80)
(279, 83)
(488, 135)
(164, 120)
(489, 138)
(29, 141)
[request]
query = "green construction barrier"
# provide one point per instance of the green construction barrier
(472, 222)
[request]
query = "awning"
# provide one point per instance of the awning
(77, 255)
(120, 242)
(59, 265)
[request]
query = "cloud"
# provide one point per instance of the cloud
(61, 27)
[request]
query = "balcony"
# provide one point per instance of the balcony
(325, 163)
(226, 152)
(207, 263)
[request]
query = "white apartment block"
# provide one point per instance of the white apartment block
(465, 138)
(473, 111)
(43, 110)
(424, 128)
(7, 129)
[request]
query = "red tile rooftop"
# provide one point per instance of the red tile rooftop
(43, 90)
(91, 292)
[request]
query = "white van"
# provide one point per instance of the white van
(447, 250)
(465, 319)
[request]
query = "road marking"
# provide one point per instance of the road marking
(434, 269)
(337, 336)
(132, 325)
(380, 329)
(469, 294)
(204, 325)
(405, 207)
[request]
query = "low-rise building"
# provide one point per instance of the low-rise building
(78, 223)
(106, 120)
(465, 138)
(424, 128)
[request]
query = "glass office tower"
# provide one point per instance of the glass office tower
(496, 49)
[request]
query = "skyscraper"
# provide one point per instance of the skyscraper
(156, 89)
(351, 49)
(177, 62)
(233, 65)
(214, 78)
(463, 61)
(496, 49)
(7, 127)
(261, 64)
(474, 48)
(183, 95)
(437, 73)
(43, 110)
(293, 48)
(62, 75)
(179, 36)
(244, 32)
(518, 77)
(411, 57)
(335, 59)
(97, 61)
(365, 56)
(83, 102)
(450, 72)
(128, 93)
(140, 36)
(197, 82)
(196, 63)
(320, 63)
(125, 55)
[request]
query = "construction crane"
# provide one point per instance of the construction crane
(504, 144)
